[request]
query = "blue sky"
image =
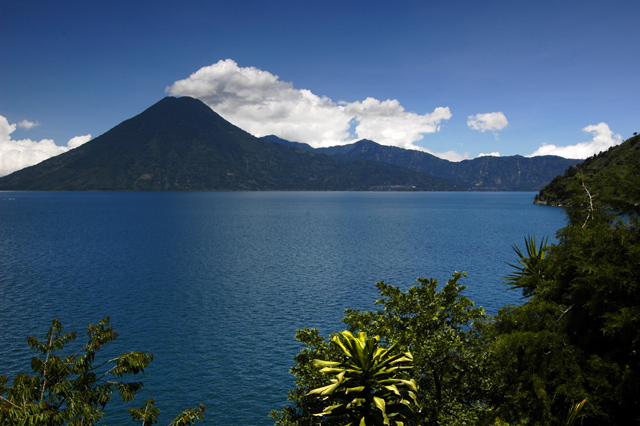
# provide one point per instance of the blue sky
(456, 78)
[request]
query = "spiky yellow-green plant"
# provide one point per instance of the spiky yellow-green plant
(367, 387)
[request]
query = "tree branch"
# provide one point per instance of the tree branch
(563, 314)
(44, 369)
(591, 209)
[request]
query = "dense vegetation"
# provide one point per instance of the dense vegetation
(568, 354)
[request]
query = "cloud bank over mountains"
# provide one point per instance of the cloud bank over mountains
(18, 154)
(603, 139)
(262, 104)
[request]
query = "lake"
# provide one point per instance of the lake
(215, 284)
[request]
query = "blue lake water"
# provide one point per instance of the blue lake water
(215, 284)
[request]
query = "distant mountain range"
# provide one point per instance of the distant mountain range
(513, 173)
(612, 177)
(181, 144)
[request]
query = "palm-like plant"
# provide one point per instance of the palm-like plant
(367, 388)
(571, 416)
(528, 270)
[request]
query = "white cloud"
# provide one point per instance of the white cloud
(491, 154)
(18, 154)
(26, 124)
(603, 139)
(76, 141)
(260, 103)
(449, 155)
(491, 121)
(389, 124)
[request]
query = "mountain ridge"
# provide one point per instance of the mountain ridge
(511, 173)
(179, 143)
(182, 144)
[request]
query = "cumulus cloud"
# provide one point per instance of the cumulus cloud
(603, 139)
(490, 121)
(260, 103)
(26, 124)
(491, 154)
(18, 154)
(389, 124)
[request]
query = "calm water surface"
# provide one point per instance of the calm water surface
(215, 284)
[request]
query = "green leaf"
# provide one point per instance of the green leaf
(321, 363)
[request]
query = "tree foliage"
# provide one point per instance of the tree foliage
(440, 328)
(527, 270)
(577, 336)
(74, 389)
(368, 387)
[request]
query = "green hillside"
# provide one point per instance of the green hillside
(613, 177)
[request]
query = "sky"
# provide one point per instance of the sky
(458, 79)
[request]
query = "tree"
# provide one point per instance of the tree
(368, 388)
(577, 336)
(74, 389)
(440, 327)
(527, 272)
(540, 373)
